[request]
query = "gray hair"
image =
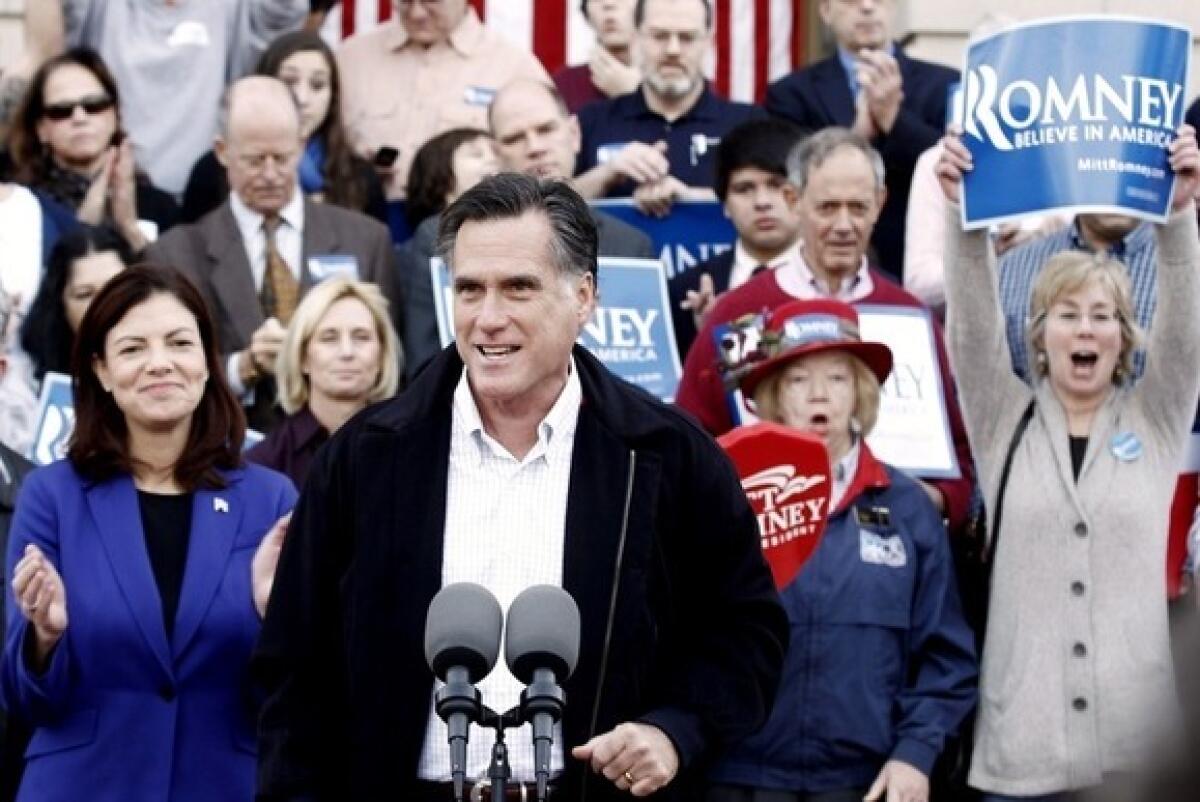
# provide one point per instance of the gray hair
(813, 151)
(506, 196)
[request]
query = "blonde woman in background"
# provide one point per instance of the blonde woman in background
(339, 355)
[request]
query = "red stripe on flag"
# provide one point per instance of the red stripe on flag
(762, 48)
(550, 33)
(385, 10)
(480, 7)
(347, 18)
(799, 32)
(723, 20)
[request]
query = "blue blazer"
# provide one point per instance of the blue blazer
(121, 714)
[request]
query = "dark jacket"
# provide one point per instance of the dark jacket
(881, 663)
(818, 96)
(690, 637)
(13, 735)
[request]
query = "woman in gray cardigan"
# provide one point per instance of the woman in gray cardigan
(1076, 677)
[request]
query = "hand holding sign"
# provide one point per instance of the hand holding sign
(952, 165)
(785, 474)
(1185, 161)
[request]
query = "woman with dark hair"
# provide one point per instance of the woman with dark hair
(329, 169)
(139, 567)
(444, 168)
(66, 140)
(80, 265)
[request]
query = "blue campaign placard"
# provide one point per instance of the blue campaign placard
(693, 232)
(55, 420)
(631, 331)
(1073, 114)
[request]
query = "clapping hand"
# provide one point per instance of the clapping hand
(266, 558)
(42, 599)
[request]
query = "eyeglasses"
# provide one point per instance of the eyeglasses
(92, 104)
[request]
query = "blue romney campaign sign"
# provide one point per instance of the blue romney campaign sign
(630, 332)
(1073, 114)
(693, 232)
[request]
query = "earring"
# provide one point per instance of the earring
(1043, 361)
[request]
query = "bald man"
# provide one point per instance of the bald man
(257, 254)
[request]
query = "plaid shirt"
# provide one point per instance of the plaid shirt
(1019, 270)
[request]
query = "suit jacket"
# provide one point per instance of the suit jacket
(818, 96)
(421, 340)
(720, 267)
(213, 255)
(13, 733)
(680, 622)
(121, 714)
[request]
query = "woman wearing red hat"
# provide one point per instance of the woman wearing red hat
(881, 666)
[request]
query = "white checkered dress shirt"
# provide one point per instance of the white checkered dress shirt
(505, 525)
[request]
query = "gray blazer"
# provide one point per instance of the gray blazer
(1077, 677)
(211, 253)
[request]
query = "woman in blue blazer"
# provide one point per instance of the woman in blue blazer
(139, 566)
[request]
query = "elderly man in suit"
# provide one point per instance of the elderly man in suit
(256, 255)
(896, 102)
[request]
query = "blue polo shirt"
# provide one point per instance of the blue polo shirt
(691, 140)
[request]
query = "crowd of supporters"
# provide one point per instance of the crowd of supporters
(208, 192)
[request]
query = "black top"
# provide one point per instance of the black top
(291, 446)
(167, 523)
(1078, 449)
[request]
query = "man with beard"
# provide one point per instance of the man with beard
(658, 142)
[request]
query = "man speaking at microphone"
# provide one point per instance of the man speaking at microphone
(516, 459)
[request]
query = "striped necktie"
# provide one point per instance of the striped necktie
(280, 290)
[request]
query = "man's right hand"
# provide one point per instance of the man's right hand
(258, 359)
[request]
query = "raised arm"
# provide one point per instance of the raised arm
(1169, 385)
(991, 393)
(44, 38)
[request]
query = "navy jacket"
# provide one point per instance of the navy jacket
(680, 622)
(881, 663)
(818, 96)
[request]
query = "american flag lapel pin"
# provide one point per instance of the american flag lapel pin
(220, 505)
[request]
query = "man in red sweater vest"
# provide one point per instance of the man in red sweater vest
(840, 181)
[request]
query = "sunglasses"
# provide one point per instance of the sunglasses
(92, 104)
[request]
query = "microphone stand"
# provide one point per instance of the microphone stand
(499, 771)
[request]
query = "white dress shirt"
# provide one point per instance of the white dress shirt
(744, 264)
(505, 526)
(289, 241)
(802, 283)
